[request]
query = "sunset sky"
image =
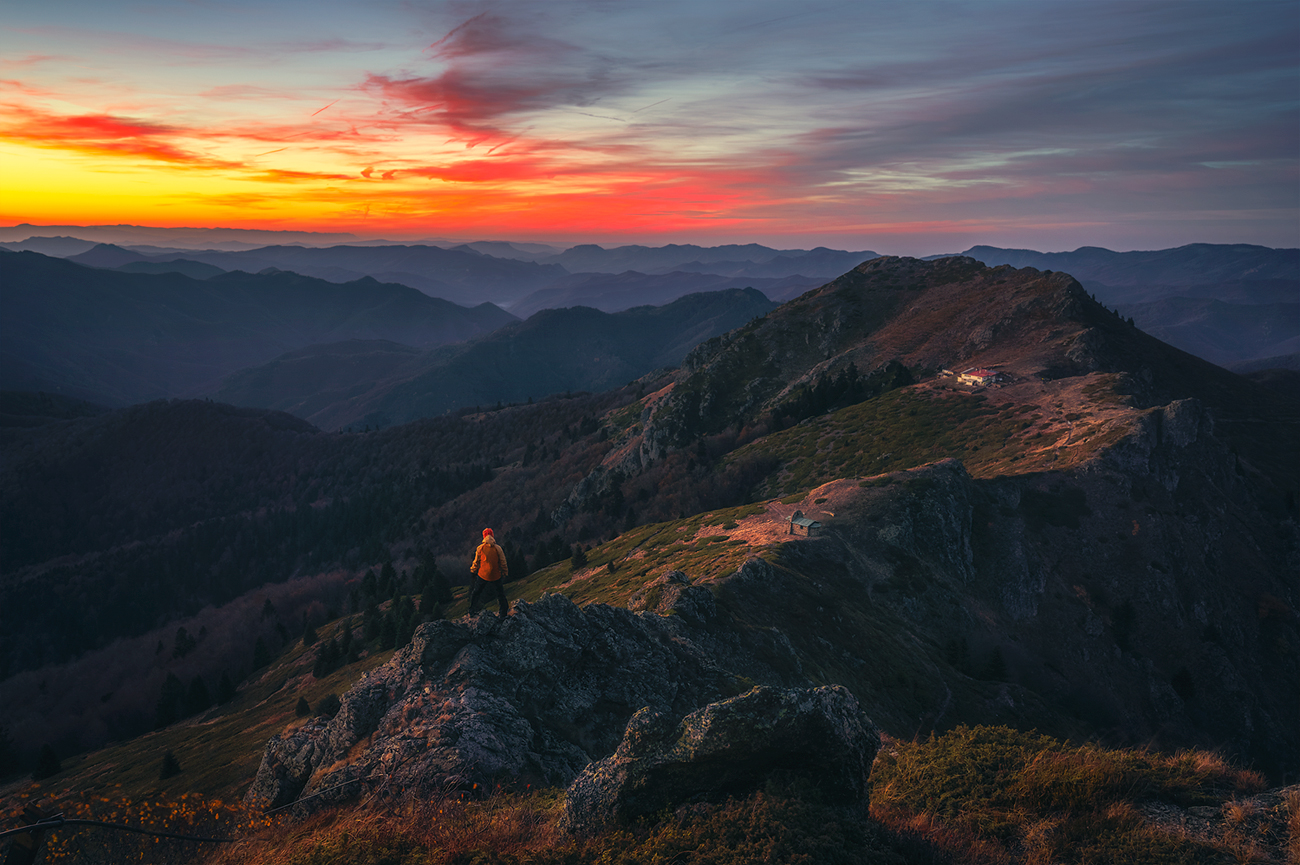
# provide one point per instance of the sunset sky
(910, 127)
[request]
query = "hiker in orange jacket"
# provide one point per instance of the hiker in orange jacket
(488, 568)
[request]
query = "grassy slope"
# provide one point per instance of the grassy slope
(218, 750)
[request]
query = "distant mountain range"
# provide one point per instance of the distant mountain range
(459, 275)
(1155, 271)
(1234, 305)
(617, 292)
(1228, 303)
(119, 338)
(554, 351)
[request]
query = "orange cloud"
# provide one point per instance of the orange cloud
(99, 135)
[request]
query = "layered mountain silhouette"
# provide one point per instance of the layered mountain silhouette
(554, 351)
(118, 338)
(1228, 303)
(458, 275)
(617, 292)
(528, 277)
(1194, 264)
(733, 260)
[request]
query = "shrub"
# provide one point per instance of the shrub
(47, 764)
(171, 767)
(329, 705)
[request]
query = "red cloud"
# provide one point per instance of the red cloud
(98, 134)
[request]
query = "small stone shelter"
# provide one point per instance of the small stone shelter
(799, 521)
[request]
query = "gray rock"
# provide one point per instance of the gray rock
(287, 763)
(534, 698)
(673, 594)
(732, 747)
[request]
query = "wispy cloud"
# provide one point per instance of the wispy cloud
(98, 134)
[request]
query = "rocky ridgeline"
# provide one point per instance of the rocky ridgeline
(531, 699)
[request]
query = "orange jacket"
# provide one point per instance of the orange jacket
(489, 562)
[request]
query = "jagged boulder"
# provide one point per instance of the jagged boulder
(287, 763)
(673, 594)
(536, 697)
(731, 747)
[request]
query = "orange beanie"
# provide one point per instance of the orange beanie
(488, 533)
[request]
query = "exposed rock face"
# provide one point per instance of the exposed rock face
(536, 697)
(287, 763)
(673, 594)
(731, 747)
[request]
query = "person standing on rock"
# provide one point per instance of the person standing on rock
(489, 568)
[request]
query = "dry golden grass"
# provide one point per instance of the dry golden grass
(435, 831)
(1292, 804)
(1045, 801)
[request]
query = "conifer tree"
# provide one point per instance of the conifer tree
(388, 632)
(303, 709)
(197, 698)
(309, 637)
(370, 621)
(441, 589)
(168, 709)
(225, 689)
(261, 655)
(171, 767)
(516, 564)
(47, 764)
(8, 759)
(184, 643)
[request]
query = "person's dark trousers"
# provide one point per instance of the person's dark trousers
(482, 587)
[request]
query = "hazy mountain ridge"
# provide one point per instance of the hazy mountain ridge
(619, 292)
(119, 338)
(1224, 333)
(1193, 264)
(458, 276)
(729, 260)
(554, 351)
(1156, 289)
(590, 275)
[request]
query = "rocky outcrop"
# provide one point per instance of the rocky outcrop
(673, 595)
(729, 748)
(534, 698)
